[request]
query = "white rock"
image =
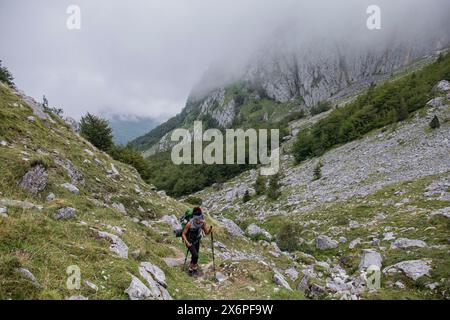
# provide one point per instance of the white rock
(404, 243)
(324, 243)
(70, 187)
(137, 290)
(156, 272)
(353, 224)
(27, 274)
(89, 152)
(51, 196)
(172, 221)
(254, 230)
(281, 281)
(442, 86)
(220, 277)
(399, 285)
(231, 227)
(414, 269)
(65, 213)
(354, 243)
(436, 102)
(444, 212)
(292, 273)
(119, 207)
(3, 212)
(370, 258)
(388, 236)
(117, 245)
(3, 143)
(31, 119)
(91, 285)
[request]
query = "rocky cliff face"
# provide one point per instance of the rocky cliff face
(299, 76)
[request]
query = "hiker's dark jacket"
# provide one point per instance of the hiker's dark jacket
(193, 230)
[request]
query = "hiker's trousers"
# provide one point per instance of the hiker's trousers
(195, 249)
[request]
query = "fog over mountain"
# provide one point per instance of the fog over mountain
(144, 57)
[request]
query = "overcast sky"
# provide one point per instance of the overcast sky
(142, 57)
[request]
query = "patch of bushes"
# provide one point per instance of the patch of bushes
(195, 201)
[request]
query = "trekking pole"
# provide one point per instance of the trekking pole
(185, 259)
(212, 247)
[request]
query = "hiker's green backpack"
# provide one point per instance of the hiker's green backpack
(187, 216)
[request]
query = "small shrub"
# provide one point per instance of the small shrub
(435, 123)
(246, 197)
(260, 185)
(195, 201)
(318, 171)
(288, 238)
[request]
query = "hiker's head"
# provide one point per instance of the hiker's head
(197, 211)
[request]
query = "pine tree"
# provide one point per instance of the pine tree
(435, 123)
(260, 185)
(97, 131)
(247, 197)
(6, 76)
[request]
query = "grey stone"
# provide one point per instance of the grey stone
(76, 176)
(119, 207)
(231, 227)
(316, 291)
(370, 258)
(3, 212)
(117, 245)
(136, 254)
(156, 272)
(31, 119)
(281, 281)
(65, 213)
(70, 187)
(89, 152)
(20, 204)
(413, 269)
(28, 275)
(172, 221)
(354, 243)
(325, 243)
(3, 143)
(91, 285)
(291, 273)
(444, 212)
(35, 180)
(254, 230)
(388, 236)
(404, 243)
(137, 290)
(436, 102)
(442, 86)
(353, 224)
(220, 277)
(303, 285)
(51, 196)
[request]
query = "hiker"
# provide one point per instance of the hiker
(192, 235)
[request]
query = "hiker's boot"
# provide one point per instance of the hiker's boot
(195, 270)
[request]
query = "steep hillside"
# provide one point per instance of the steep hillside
(63, 203)
(382, 200)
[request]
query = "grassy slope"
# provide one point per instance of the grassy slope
(34, 240)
